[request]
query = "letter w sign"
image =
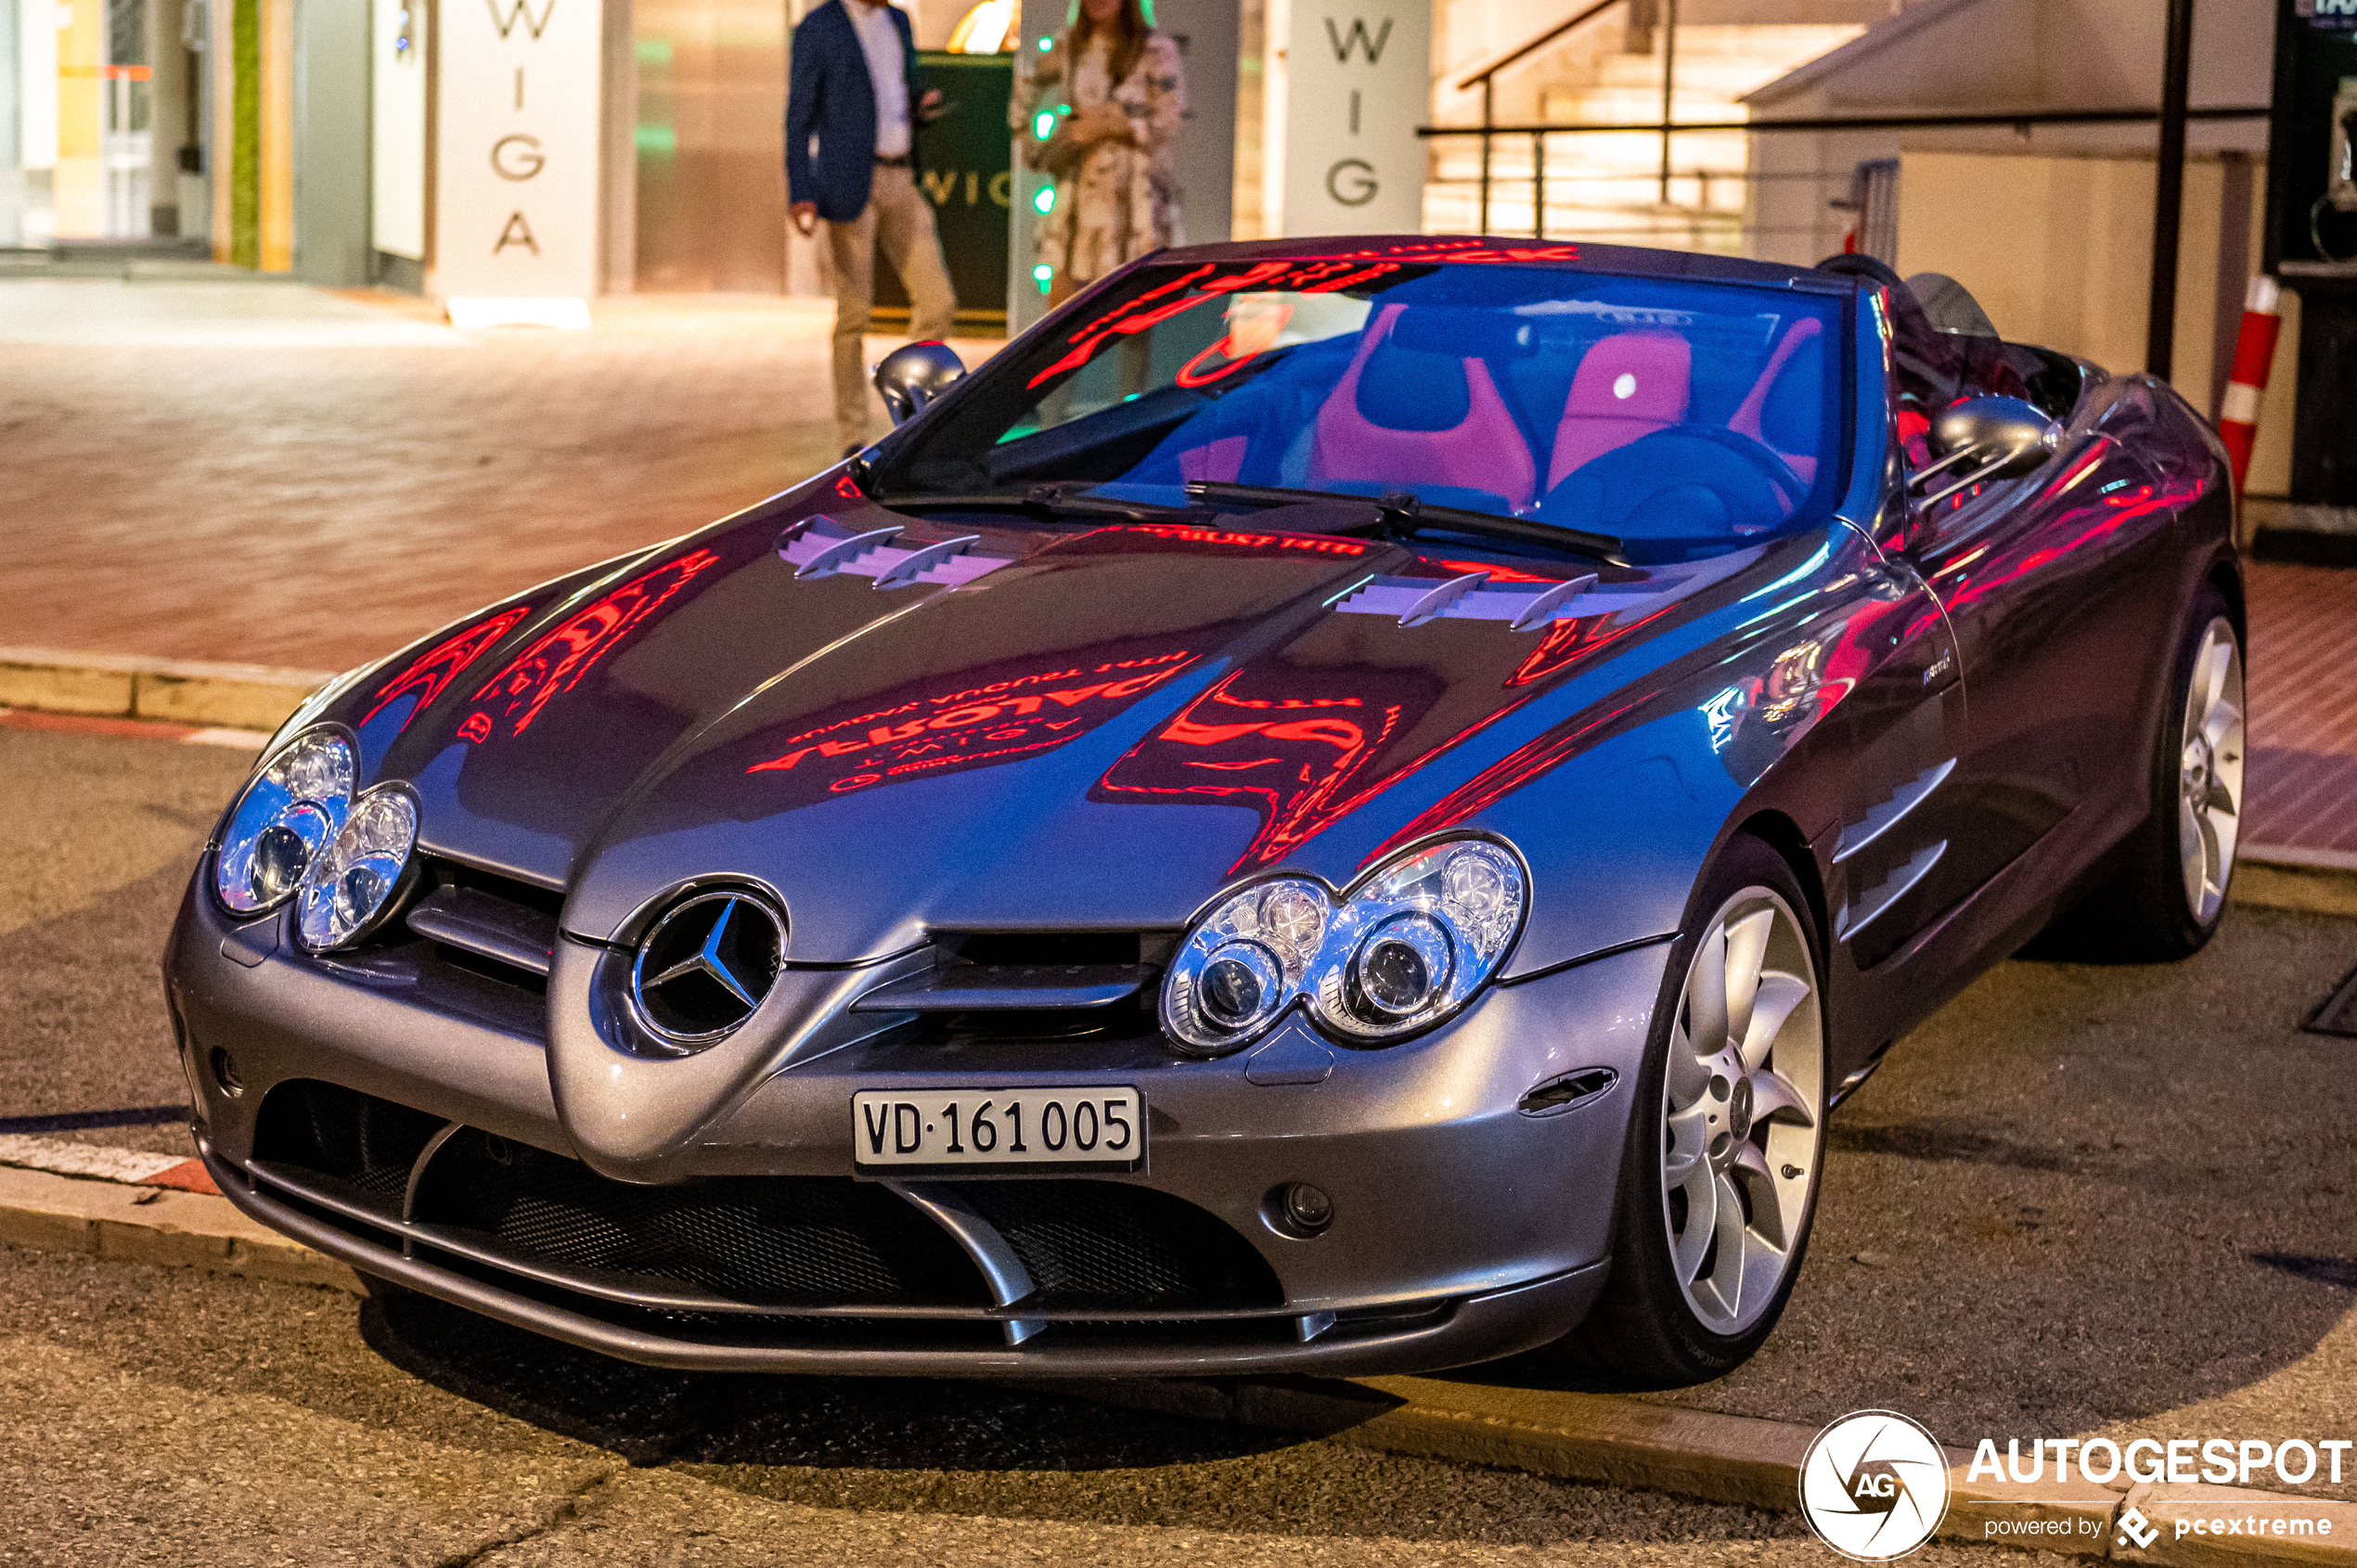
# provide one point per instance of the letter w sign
(521, 10)
(1343, 43)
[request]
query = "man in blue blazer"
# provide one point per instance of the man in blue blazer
(851, 163)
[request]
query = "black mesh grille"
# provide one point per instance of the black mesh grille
(783, 1239)
(1104, 1245)
(765, 1241)
(368, 1145)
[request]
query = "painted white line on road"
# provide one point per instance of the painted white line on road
(34, 1153)
(235, 739)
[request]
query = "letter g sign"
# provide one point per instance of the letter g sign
(1354, 175)
(517, 157)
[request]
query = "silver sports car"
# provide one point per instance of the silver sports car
(1340, 805)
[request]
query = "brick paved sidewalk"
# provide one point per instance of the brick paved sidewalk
(271, 474)
(2301, 793)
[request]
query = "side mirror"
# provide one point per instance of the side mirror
(1986, 438)
(2008, 434)
(913, 375)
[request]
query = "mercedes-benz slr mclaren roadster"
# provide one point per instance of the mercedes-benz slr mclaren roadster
(1345, 806)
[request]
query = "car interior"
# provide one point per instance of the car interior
(1679, 418)
(1576, 419)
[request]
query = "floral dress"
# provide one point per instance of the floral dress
(1122, 200)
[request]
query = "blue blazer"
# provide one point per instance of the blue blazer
(830, 93)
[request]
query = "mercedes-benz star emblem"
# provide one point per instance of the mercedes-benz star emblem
(705, 966)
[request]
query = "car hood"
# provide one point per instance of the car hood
(965, 726)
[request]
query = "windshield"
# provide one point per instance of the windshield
(1684, 417)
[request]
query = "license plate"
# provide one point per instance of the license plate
(1100, 1127)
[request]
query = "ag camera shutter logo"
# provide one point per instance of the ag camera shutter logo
(1874, 1485)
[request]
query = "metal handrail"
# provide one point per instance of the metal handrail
(1486, 77)
(1532, 48)
(1858, 121)
(2020, 120)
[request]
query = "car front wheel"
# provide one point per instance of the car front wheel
(1719, 1184)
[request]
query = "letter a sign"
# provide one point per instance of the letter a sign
(516, 162)
(1358, 83)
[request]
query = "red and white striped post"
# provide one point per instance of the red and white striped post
(2254, 357)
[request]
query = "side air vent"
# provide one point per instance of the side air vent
(1573, 1088)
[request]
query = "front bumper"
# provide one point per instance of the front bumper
(1464, 1229)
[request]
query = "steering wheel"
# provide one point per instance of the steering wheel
(1759, 453)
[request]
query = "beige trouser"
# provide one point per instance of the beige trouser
(899, 220)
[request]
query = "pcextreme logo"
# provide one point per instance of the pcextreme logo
(1874, 1485)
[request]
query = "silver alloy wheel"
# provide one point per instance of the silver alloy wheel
(1740, 1134)
(2210, 770)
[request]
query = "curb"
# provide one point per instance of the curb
(2286, 877)
(1592, 1437)
(1739, 1460)
(157, 1225)
(227, 696)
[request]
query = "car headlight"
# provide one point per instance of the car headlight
(291, 812)
(354, 883)
(1404, 949)
(1242, 963)
(1418, 939)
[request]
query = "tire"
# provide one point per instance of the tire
(2156, 902)
(1673, 1312)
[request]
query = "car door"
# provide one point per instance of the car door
(2049, 582)
(1903, 725)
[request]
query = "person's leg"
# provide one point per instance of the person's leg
(851, 250)
(905, 232)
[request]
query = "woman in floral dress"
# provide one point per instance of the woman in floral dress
(1119, 93)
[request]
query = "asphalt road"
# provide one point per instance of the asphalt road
(162, 1416)
(2078, 1200)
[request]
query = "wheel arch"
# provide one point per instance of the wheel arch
(2226, 576)
(1782, 834)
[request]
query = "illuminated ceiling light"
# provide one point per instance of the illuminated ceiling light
(983, 30)
(1044, 202)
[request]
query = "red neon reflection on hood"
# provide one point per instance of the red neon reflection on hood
(556, 661)
(429, 674)
(1502, 778)
(991, 716)
(1287, 757)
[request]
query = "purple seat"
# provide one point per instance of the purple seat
(1401, 417)
(1628, 386)
(1749, 415)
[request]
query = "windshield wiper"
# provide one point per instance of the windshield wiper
(1040, 500)
(1402, 512)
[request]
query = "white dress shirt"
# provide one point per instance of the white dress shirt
(879, 41)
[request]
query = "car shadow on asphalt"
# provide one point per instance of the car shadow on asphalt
(651, 1415)
(976, 1449)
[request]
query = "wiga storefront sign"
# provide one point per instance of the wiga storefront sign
(516, 159)
(1357, 79)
